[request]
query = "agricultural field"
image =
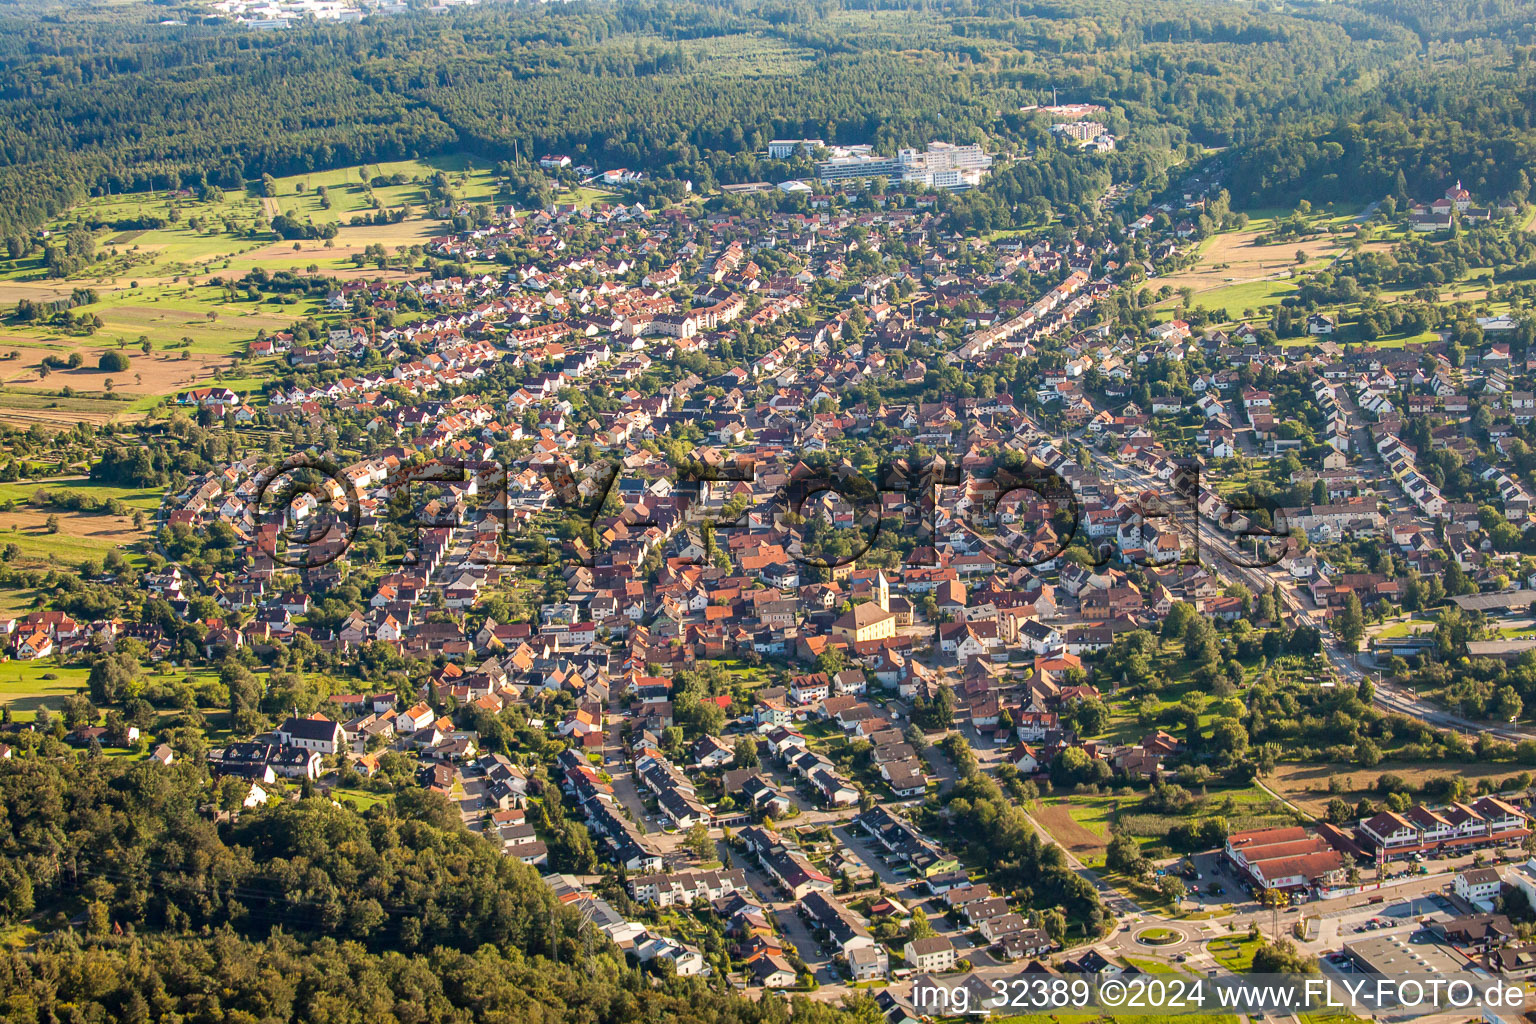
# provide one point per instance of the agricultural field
(1064, 821)
(1247, 272)
(81, 534)
(1240, 268)
(155, 299)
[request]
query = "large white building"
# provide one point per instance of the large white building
(941, 165)
(783, 149)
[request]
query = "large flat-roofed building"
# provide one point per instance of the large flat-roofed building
(1522, 877)
(845, 168)
(1290, 859)
(941, 165)
(783, 149)
(1396, 955)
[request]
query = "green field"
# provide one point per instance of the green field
(153, 284)
(1234, 953)
(23, 688)
(23, 491)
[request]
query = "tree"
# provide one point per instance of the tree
(1091, 717)
(1054, 923)
(1180, 615)
(1229, 738)
(1282, 957)
(745, 751)
(112, 676)
(1350, 626)
(699, 842)
(1507, 704)
(1172, 888)
(113, 362)
(1124, 855)
(1200, 645)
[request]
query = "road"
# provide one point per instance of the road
(1115, 901)
(793, 929)
(1233, 565)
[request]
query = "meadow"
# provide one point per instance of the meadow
(154, 286)
(23, 686)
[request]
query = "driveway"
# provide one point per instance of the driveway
(794, 929)
(912, 892)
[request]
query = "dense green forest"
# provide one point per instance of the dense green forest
(109, 100)
(300, 911)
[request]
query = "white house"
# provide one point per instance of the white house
(318, 734)
(1479, 886)
(931, 954)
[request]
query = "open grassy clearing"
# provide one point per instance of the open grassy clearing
(1237, 272)
(81, 536)
(178, 251)
(23, 688)
(1235, 954)
(22, 491)
(1307, 785)
(19, 602)
(155, 374)
(195, 335)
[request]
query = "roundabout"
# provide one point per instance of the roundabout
(1163, 935)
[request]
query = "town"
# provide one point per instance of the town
(706, 561)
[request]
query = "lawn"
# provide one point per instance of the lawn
(1146, 966)
(81, 536)
(1234, 953)
(1158, 936)
(23, 688)
(363, 798)
(21, 491)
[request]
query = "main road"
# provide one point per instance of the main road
(1235, 566)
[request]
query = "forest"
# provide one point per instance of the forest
(299, 911)
(106, 101)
